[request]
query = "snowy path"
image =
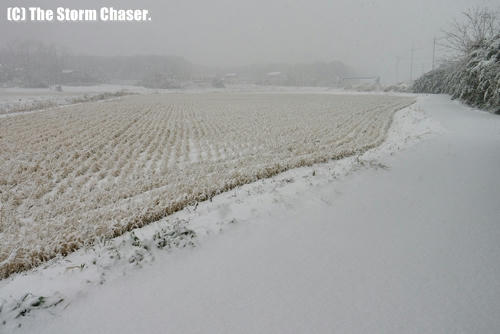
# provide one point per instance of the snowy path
(412, 249)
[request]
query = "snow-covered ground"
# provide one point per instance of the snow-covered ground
(25, 100)
(14, 101)
(402, 239)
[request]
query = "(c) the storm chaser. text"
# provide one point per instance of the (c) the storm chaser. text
(61, 14)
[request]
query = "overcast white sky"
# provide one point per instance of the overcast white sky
(366, 34)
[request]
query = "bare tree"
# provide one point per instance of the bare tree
(478, 25)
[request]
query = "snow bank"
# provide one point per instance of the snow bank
(26, 100)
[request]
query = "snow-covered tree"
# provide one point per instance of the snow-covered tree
(478, 25)
(475, 79)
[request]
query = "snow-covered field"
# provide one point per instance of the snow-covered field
(29, 100)
(72, 175)
(403, 238)
(25, 100)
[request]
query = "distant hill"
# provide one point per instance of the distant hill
(34, 64)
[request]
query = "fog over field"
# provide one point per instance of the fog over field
(374, 37)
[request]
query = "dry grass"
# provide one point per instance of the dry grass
(94, 170)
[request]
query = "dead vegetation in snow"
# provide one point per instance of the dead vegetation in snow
(74, 175)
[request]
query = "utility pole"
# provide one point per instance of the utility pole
(398, 58)
(411, 62)
(434, 53)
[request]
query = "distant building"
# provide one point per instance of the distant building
(70, 76)
(230, 78)
(274, 78)
(218, 83)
